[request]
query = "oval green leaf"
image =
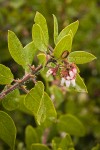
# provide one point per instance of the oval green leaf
(38, 38)
(7, 129)
(6, 76)
(16, 49)
(64, 44)
(11, 101)
(30, 51)
(70, 124)
(34, 101)
(66, 142)
(40, 20)
(30, 136)
(40, 104)
(80, 57)
(38, 146)
(73, 27)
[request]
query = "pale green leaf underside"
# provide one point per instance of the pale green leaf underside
(38, 146)
(38, 38)
(55, 28)
(73, 27)
(7, 129)
(11, 101)
(30, 136)
(70, 124)
(41, 21)
(80, 57)
(6, 76)
(64, 44)
(16, 49)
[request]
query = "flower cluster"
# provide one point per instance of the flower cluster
(68, 73)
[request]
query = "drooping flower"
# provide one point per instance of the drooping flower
(63, 80)
(69, 75)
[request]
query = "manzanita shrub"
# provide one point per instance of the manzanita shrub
(58, 68)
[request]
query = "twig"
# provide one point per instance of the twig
(14, 86)
(45, 135)
(23, 88)
(21, 81)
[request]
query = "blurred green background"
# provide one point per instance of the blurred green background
(18, 16)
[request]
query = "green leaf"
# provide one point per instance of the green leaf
(16, 49)
(39, 103)
(71, 34)
(64, 44)
(55, 28)
(38, 146)
(11, 101)
(42, 58)
(38, 38)
(41, 21)
(73, 27)
(80, 85)
(30, 51)
(66, 143)
(30, 136)
(34, 100)
(70, 124)
(7, 129)
(6, 76)
(80, 57)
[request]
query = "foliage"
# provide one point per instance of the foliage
(37, 103)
